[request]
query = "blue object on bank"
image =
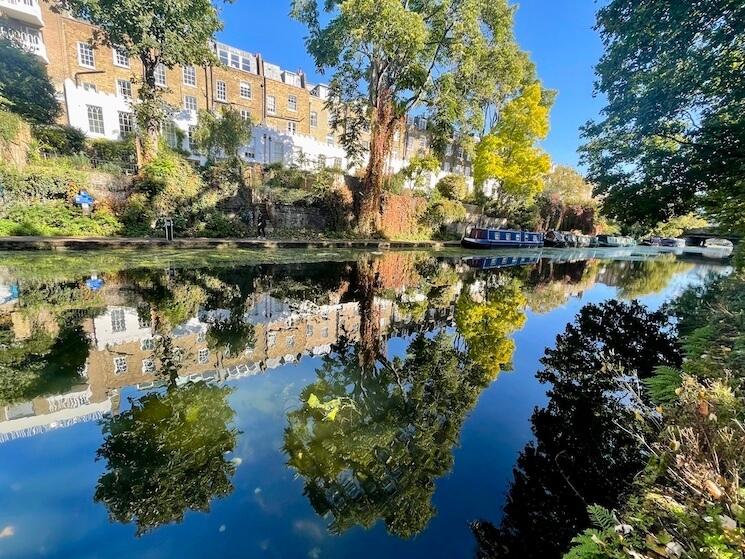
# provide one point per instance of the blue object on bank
(84, 199)
(94, 284)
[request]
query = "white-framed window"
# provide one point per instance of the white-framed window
(95, 119)
(124, 88)
(148, 366)
(118, 321)
(271, 104)
(120, 365)
(224, 56)
(190, 103)
(309, 330)
(271, 339)
(190, 75)
(221, 90)
(325, 332)
(147, 344)
(245, 114)
(292, 103)
(321, 161)
(292, 127)
(160, 75)
(330, 140)
(192, 144)
(203, 356)
(313, 119)
(201, 337)
(170, 133)
(86, 57)
(126, 123)
(245, 90)
(121, 58)
(235, 60)
(91, 87)
(290, 341)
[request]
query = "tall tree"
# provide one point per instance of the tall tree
(168, 33)
(672, 134)
(508, 154)
(25, 87)
(223, 133)
(450, 58)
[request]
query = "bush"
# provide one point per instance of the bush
(10, 126)
(170, 183)
(137, 216)
(452, 187)
(62, 140)
(39, 183)
(56, 219)
(442, 212)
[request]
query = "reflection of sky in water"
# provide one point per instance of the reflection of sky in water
(47, 481)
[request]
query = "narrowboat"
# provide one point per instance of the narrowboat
(555, 239)
(571, 239)
(492, 263)
(674, 243)
(652, 242)
(718, 243)
(479, 237)
(615, 242)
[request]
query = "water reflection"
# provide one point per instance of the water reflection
(375, 429)
(586, 449)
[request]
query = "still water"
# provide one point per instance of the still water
(315, 405)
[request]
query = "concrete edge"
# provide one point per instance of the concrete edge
(105, 243)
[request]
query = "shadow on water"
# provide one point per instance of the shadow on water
(372, 433)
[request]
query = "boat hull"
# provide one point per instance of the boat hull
(485, 243)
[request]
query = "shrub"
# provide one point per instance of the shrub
(113, 151)
(55, 218)
(10, 126)
(62, 140)
(137, 216)
(39, 183)
(452, 187)
(170, 183)
(444, 211)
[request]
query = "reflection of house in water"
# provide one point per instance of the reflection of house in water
(122, 341)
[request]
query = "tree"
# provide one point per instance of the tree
(508, 154)
(452, 58)
(25, 87)
(420, 166)
(178, 32)
(452, 187)
(369, 443)
(675, 226)
(672, 133)
(568, 184)
(586, 448)
(223, 134)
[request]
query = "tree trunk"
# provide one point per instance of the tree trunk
(149, 113)
(383, 126)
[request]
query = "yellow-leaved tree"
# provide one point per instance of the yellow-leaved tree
(508, 154)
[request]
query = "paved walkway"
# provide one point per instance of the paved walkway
(92, 243)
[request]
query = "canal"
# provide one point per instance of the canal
(322, 404)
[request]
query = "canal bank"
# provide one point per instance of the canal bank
(105, 243)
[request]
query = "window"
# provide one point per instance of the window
(148, 366)
(245, 90)
(85, 55)
(221, 93)
(147, 344)
(91, 87)
(313, 119)
(203, 355)
(325, 332)
(120, 365)
(245, 115)
(246, 64)
(271, 104)
(171, 135)
(160, 75)
(190, 75)
(126, 124)
(121, 58)
(290, 341)
(271, 339)
(292, 103)
(309, 330)
(95, 120)
(192, 144)
(124, 88)
(118, 323)
(330, 140)
(190, 103)
(235, 60)
(292, 127)
(224, 56)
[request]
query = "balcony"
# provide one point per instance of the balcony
(28, 38)
(27, 11)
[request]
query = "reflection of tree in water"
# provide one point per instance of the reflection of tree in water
(486, 313)
(370, 442)
(167, 455)
(550, 284)
(636, 279)
(585, 451)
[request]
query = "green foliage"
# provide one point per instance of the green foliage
(114, 151)
(675, 226)
(420, 165)
(568, 185)
(10, 126)
(171, 184)
(25, 85)
(56, 219)
(40, 183)
(601, 517)
(167, 455)
(670, 139)
(452, 187)
(662, 386)
(222, 134)
(61, 140)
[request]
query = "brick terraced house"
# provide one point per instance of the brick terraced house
(97, 85)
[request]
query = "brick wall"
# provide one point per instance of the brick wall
(401, 215)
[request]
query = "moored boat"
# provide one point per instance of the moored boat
(554, 239)
(615, 241)
(674, 243)
(480, 237)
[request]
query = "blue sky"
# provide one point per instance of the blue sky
(557, 33)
